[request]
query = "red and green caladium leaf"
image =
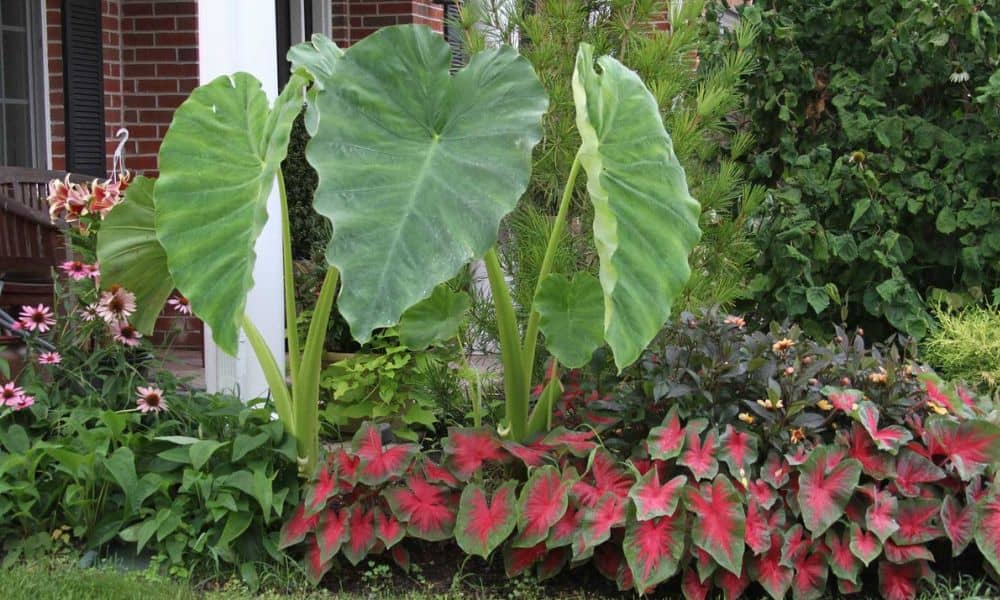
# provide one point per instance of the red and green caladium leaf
(889, 439)
(732, 586)
(401, 556)
(809, 573)
(542, 503)
(825, 490)
(762, 493)
(739, 450)
(842, 561)
(552, 564)
(597, 523)
(757, 530)
(519, 560)
(468, 449)
(653, 548)
(665, 442)
(482, 525)
(295, 529)
(378, 463)
(534, 454)
(875, 464)
(577, 443)
(864, 544)
(988, 528)
(320, 490)
(901, 555)
(361, 540)
(316, 567)
(913, 470)
(435, 473)
(775, 471)
(652, 499)
(426, 509)
(843, 400)
(969, 446)
(334, 529)
(563, 532)
(918, 521)
(699, 456)
(388, 529)
(901, 582)
(769, 572)
(718, 522)
(693, 587)
(606, 477)
(958, 523)
(880, 518)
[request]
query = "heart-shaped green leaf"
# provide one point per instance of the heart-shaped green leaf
(434, 319)
(217, 167)
(645, 221)
(417, 168)
(132, 257)
(571, 317)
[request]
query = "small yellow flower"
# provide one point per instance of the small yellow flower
(782, 345)
(937, 408)
(779, 404)
(765, 403)
(824, 404)
(878, 377)
(747, 418)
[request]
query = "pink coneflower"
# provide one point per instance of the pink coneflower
(93, 271)
(49, 358)
(10, 394)
(75, 270)
(22, 402)
(180, 304)
(150, 400)
(126, 334)
(116, 304)
(36, 318)
(89, 312)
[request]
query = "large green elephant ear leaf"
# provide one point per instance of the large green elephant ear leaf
(645, 221)
(217, 167)
(316, 59)
(131, 256)
(571, 313)
(417, 168)
(433, 320)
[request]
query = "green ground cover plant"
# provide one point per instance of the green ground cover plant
(965, 345)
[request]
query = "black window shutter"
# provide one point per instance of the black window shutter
(83, 77)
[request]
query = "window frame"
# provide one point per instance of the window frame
(37, 101)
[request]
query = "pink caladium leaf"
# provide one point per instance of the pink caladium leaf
(880, 518)
(427, 510)
(890, 438)
(969, 446)
(542, 503)
(534, 454)
(388, 529)
(468, 449)
(775, 471)
(762, 493)
(665, 442)
(824, 492)
(482, 524)
(988, 529)
(608, 559)
(597, 523)
(653, 548)
(380, 463)
(295, 529)
(652, 499)
(757, 531)
(769, 572)
(795, 546)
(901, 555)
(875, 464)
(345, 468)
(846, 588)
(316, 567)
(320, 490)
(719, 523)
(435, 473)
(606, 477)
(519, 560)
(565, 529)
(401, 556)
(842, 561)
(901, 582)
(919, 521)
(797, 456)
(333, 531)
(552, 564)
(958, 523)
(864, 544)
(704, 562)
(732, 586)
(699, 456)
(810, 573)
(913, 470)
(843, 400)
(625, 581)
(739, 450)
(693, 587)
(361, 524)
(577, 443)
(937, 395)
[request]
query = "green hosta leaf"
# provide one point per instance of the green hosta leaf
(434, 319)
(417, 168)
(572, 313)
(132, 257)
(645, 221)
(217, 166)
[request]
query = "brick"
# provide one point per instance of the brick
(140, 69)
(169, 100)
(187, 54)
(178, 39)
(155, 54)
(391, 8)
(187, 24)
(154, 23)
(137, 9)
(139, 40)
(157, 85)
(382, 20)
(184, 69)
(176, 8)
(142, 100)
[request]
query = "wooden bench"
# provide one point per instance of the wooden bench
(30, 244)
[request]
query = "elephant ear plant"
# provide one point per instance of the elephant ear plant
(417, 168)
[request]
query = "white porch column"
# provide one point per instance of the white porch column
(239, 35)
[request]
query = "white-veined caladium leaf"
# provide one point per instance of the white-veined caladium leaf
(645, 221)
(217, 167)
(416, 167)
(571, 313)
(131, 256)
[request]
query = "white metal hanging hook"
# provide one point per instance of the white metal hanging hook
(118, 160)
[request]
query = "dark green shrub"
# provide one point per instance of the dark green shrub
(310, 232)
(881, 156)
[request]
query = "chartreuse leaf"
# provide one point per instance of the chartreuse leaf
(434, 319)
(417, 168)
(483, 524)
(217, 167)
(132, 257)
(571, 316)
(645, 221)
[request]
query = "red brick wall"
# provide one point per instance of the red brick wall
(355, 19)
